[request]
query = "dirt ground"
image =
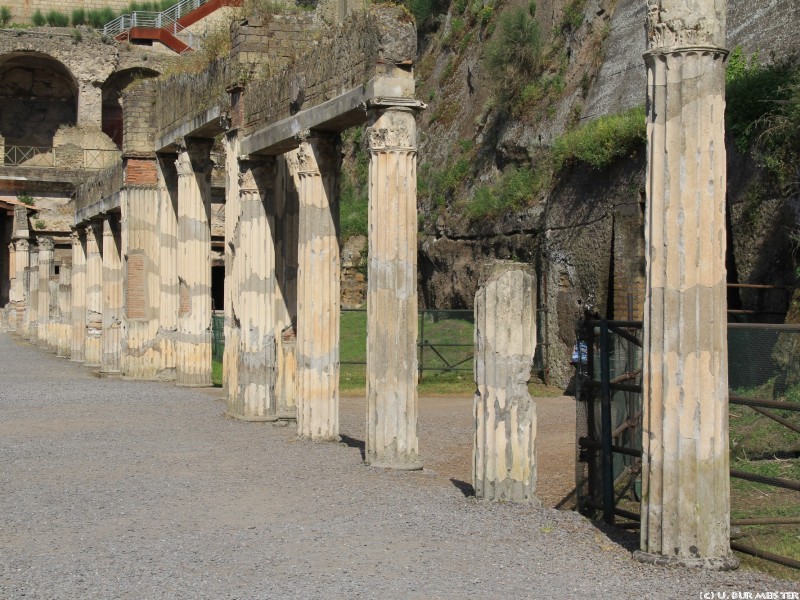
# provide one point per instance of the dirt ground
(445, 441)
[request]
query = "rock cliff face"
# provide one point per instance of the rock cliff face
(584, 233)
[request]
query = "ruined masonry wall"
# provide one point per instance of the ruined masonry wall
(272, 43)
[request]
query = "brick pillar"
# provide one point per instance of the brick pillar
(318, 290)
(685, 469)
(78, 296)
(392, 291)
(504, 454)
(194, 264)
(94, 296)
(112, 298)
(254, 287)
(45, 271)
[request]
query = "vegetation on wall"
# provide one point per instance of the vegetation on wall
(5, 16)
(353, 186)
(514, 54)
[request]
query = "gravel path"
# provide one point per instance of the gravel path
(123, 489)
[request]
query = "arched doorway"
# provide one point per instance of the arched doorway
(38, 95)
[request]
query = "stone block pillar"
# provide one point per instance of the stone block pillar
(168, 265)
(254, 285)
(63, 331)
(45, 271)
(193, 347)
(318, 289)
(504, 452)
(112, 298)
(33, 294)
(392, 291)
(685, 469)
(78, 296)
(94, 297)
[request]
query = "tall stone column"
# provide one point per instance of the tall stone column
(14, 296)
(318, 289)
(33, 294)
(94, 297)
(193, 347)
(232, 325)
(392, 291)
(255, 288)
(45, 271)
(685, 470)
(168, 264)
(112, 298)
(63, 331)
(78, 296)
(504, 451)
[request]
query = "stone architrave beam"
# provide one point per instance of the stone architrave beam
(318, 289)
(392, 403)
(685, 464)
(504, 452)
(194, 263)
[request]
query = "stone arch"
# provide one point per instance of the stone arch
(38, 94)
(112, 91)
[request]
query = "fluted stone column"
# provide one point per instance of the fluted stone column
(112, 298)
(18, 292)
(78, 296)
(168, 265)
(685, 470)
(94, 297)
(33, 294)
(504, 451)
(392, 291)
(193, 347)
(254, 286)
(318, 289)
(232, 325)
(64, 329)
(45, 271)
(11, 312)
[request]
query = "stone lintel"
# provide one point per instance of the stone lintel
(96, 210)
(336, 115)
(205, 125)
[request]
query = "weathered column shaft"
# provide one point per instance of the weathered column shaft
(112, 298)
(685, 478)
(168, 265)
(94, 296)
(318, 290)
(392, 292)
(78, 297)
(194, 264)
(141, 356)
(287, 222)
(255, 288)
(32, 283)
(11, 312)
(504, 452)
(18, 291)
(45, 271)
(232, 325)
(64, 326)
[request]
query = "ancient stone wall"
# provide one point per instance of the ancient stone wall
(100, 186)
(272, 43)
(138, 124)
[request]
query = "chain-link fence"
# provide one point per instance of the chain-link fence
(764, 378)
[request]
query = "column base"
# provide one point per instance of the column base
(266, 419)
(334, 438)
(412, 466)
(725, 563)
(103, 373)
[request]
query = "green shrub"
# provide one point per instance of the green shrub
(514, 54)
(78, 17)
(573, 15)
(426, 12)
(38, 18)
(5, 16)
(26, 199)
(57, 19)
(515, 189)
(602, 141)
(99, 17)
(778, 141)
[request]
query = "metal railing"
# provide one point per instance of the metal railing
(65, 157)
(167, 20)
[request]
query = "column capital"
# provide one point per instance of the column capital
(255, 169)
(45, 244)
(22, 245)
(675, 24)
(75, 237)
(194, 156)
(319, 152)
(11, 247)
(392, 129)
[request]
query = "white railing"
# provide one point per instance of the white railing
(64, 157)
(167, 19)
